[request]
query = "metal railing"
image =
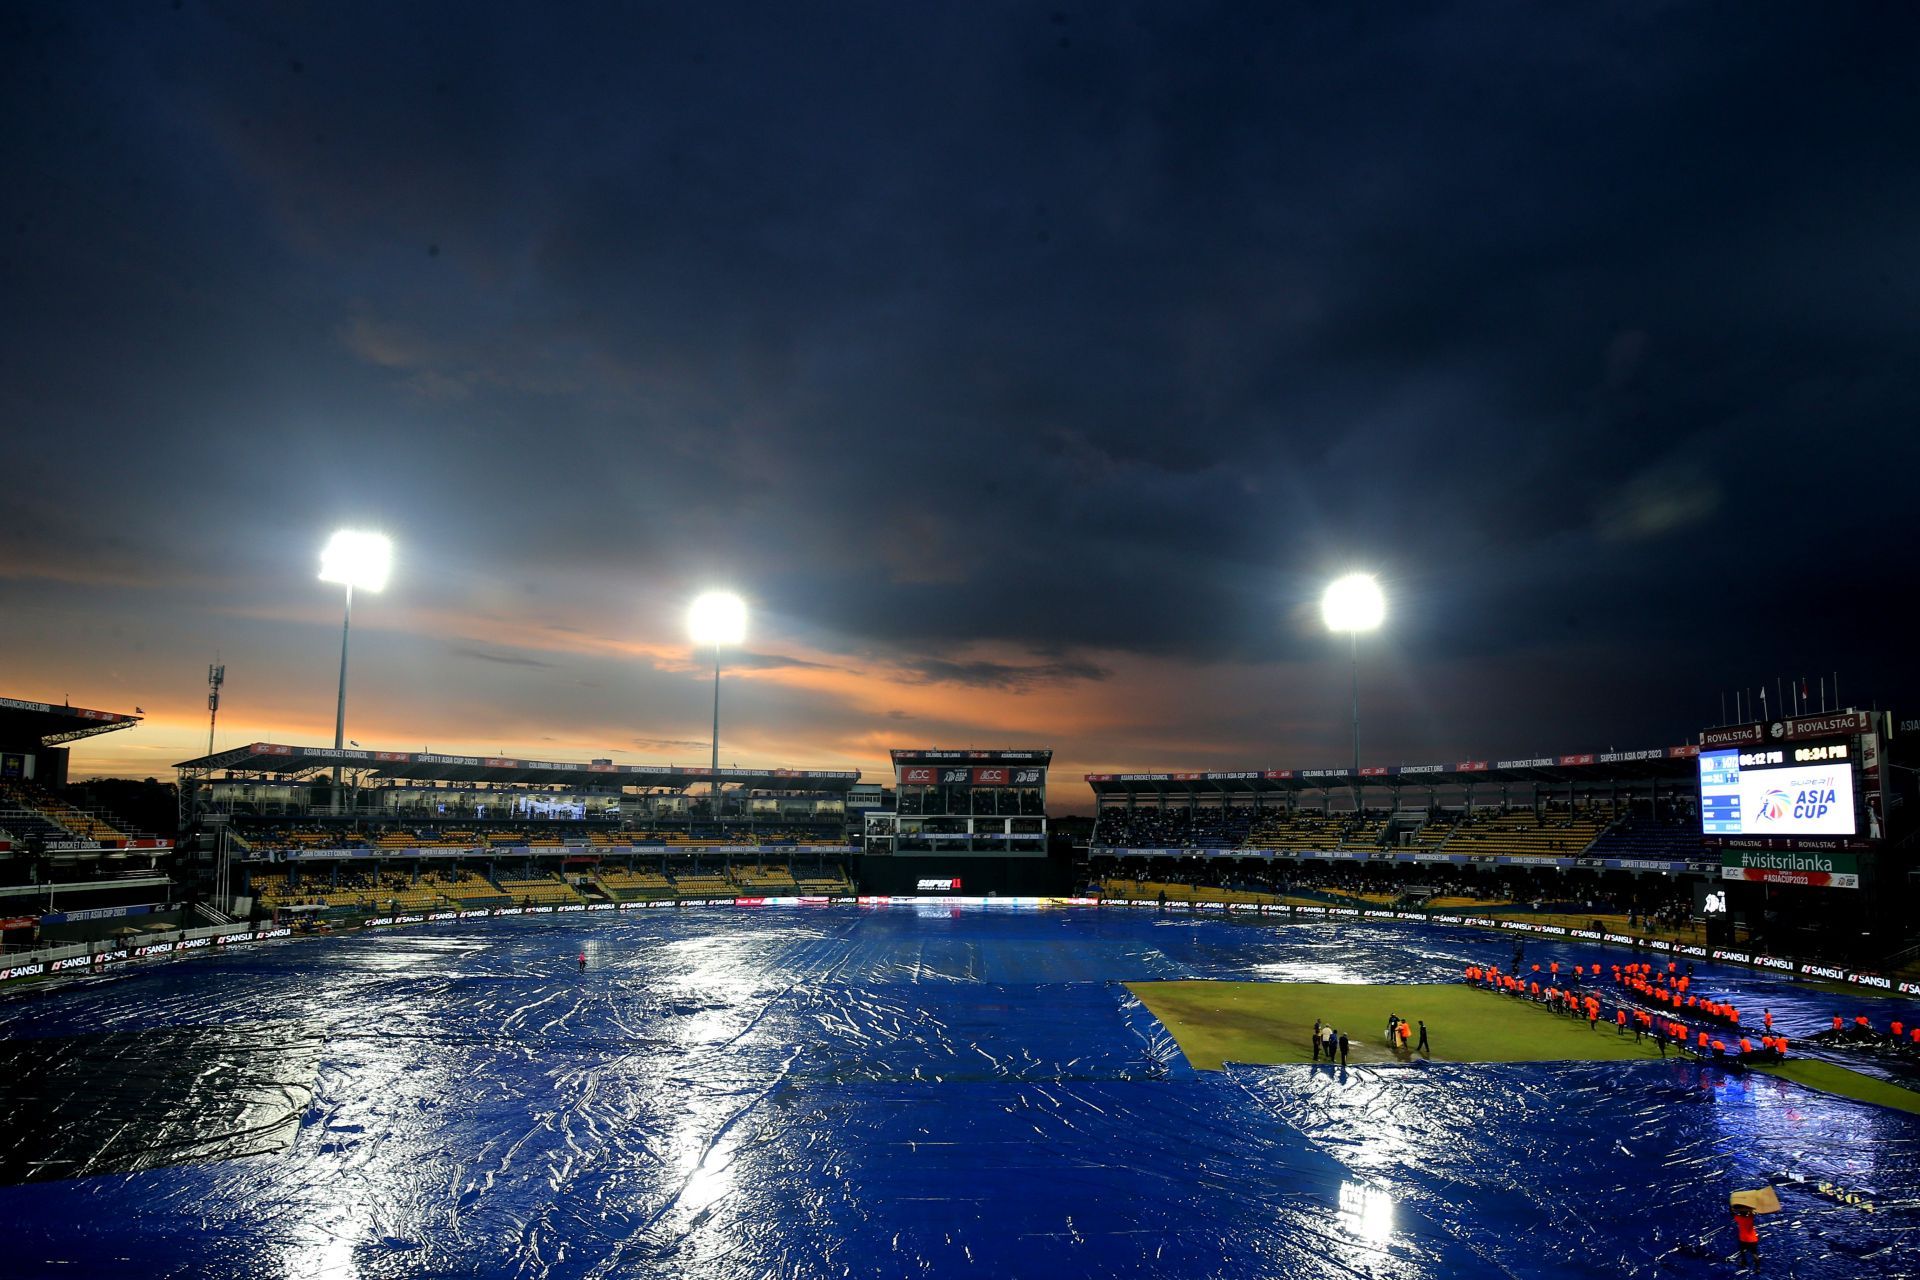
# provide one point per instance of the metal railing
(1901, 959)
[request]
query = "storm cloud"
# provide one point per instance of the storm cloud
(1028, 367)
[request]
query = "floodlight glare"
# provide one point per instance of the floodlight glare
(356, 559)
(1353, 603)
(353, 559)
(717, 618)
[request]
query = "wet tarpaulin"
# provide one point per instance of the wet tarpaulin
(847, 1092)
(120, 1101)
(1626, 1168)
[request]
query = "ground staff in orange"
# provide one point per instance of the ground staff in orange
(1749, 1232)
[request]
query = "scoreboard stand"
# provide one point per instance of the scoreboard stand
(964, 823)
(1796, 808)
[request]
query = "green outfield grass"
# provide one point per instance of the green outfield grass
(1830, 1078)
(1270, 1022)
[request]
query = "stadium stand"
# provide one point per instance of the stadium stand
(21, 823)
(622, 885)
(1550, 833)
(27, 810)
(832, 882)
(767, 882)
(1198, 828)
(466, 889)
(1642, 837)
(353, 890)
(692, 884)
(1152, 890)
(1367, 832)
(1434, 830)
(538, 890)
(1281, 829)
(414, 896)
(273, 838)
(271, 888)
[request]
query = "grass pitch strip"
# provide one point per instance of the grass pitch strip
(1271, 1023)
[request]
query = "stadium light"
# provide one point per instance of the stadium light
(352, 558)
(1353, 603)
(717, 618)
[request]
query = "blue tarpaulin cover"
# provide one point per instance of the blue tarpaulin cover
(889, 1091)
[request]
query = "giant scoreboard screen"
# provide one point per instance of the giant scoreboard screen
(1792, 789)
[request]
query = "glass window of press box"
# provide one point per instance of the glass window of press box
(487, 805)
(966, 835)
(973, 801)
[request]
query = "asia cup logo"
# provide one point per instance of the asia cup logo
(1812, 800)
(1773, 805)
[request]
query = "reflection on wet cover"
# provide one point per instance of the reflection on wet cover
(77, 1106)
(817, 1094)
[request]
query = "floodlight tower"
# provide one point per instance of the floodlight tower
(1353, 604)
(717, 618)
(216, 676)
(352, 559)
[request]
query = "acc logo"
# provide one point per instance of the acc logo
(1773, 805)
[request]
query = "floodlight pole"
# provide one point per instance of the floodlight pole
(716, 732)
(340, 707)
(1354, 637)
(216, 676)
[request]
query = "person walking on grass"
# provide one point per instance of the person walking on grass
(1422, 1046)
(1316, 1039)
(1343, 1051)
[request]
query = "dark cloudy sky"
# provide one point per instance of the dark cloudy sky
(1028, 367)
